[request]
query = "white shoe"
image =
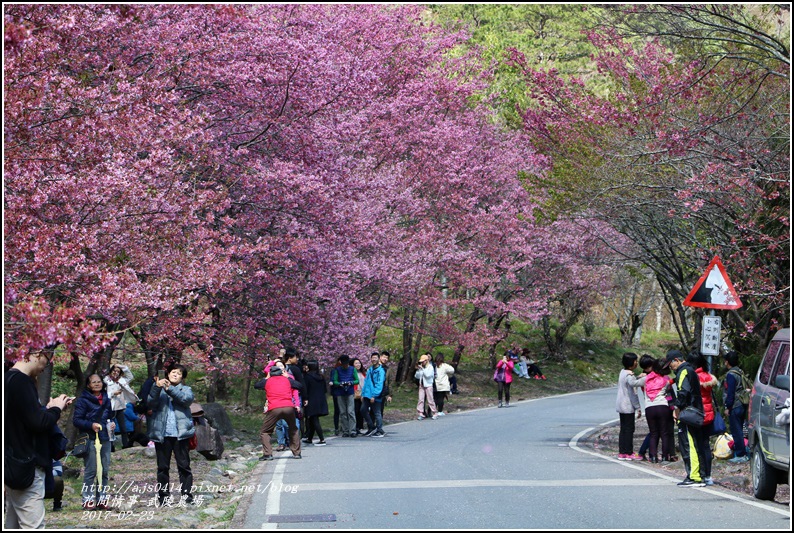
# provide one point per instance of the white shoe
(421, 417)
(441, 413)
(434, 417)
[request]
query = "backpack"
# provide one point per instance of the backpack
(744, 387)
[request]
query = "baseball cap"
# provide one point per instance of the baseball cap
(671, 356)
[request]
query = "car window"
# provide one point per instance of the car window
(782, 361)
(769, 361)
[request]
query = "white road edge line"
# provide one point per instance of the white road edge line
(574, 443)
(273, 505)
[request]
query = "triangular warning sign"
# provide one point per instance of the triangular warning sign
(714, 290)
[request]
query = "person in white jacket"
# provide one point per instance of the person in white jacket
(443, 372)
(426, 377)
(627, 404)
(120, 393)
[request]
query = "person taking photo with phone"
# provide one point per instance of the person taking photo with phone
(170, 427)
(26, 432)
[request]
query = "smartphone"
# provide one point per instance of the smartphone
(161, 374)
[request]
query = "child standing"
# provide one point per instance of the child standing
(627, 404)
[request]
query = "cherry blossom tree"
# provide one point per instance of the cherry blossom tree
(106, 214)
(216, 178)
(687, 154)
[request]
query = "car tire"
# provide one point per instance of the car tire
(764, 476)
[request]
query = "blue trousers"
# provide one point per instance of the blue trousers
(736, 421)
(282, 431)
(375, 409)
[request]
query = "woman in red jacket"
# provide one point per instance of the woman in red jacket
(707, 384)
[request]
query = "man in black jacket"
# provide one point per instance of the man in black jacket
(294, 367)
(27, 428)
(687, 394)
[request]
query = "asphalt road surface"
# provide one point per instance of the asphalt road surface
(513, 468)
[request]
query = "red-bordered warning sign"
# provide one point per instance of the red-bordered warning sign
(714, 290)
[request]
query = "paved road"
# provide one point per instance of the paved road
(515, 468)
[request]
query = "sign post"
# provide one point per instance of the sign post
(713, 291)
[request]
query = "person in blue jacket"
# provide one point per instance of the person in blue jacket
(372, 395)
(735, 410)
(93, 415)
(130, 419)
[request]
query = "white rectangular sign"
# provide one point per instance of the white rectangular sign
(710, 339)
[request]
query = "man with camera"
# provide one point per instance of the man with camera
(27, 454)
(345, 378)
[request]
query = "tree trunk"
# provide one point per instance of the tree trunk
(495, 323)
(569, 316)
(248, 377)
(419, 334)
(547, 338)
(406, 361)
(474, 317)
(44, 382)
(677, 311)
(151, 353)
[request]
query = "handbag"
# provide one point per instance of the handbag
(692, 416)
(18, 473)
(57, 443)
(722, 446)
(718, 425)
(81, 446)
(499, 375)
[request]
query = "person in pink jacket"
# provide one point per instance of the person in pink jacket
(657, 410)
(504, 377)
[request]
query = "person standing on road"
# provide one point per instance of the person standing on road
(391, 372)
(371, 396)
(27, 426)
(282, 430)
(707, 384)
(735, 408)
(294, 368)
(345, 379)
(334, 395)
(687, 394)
(362, 375)
(280, 405)
(657, 411)
(627, 404)
(443, 373)
(504, 377)
(426, 377)
(317, 404)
